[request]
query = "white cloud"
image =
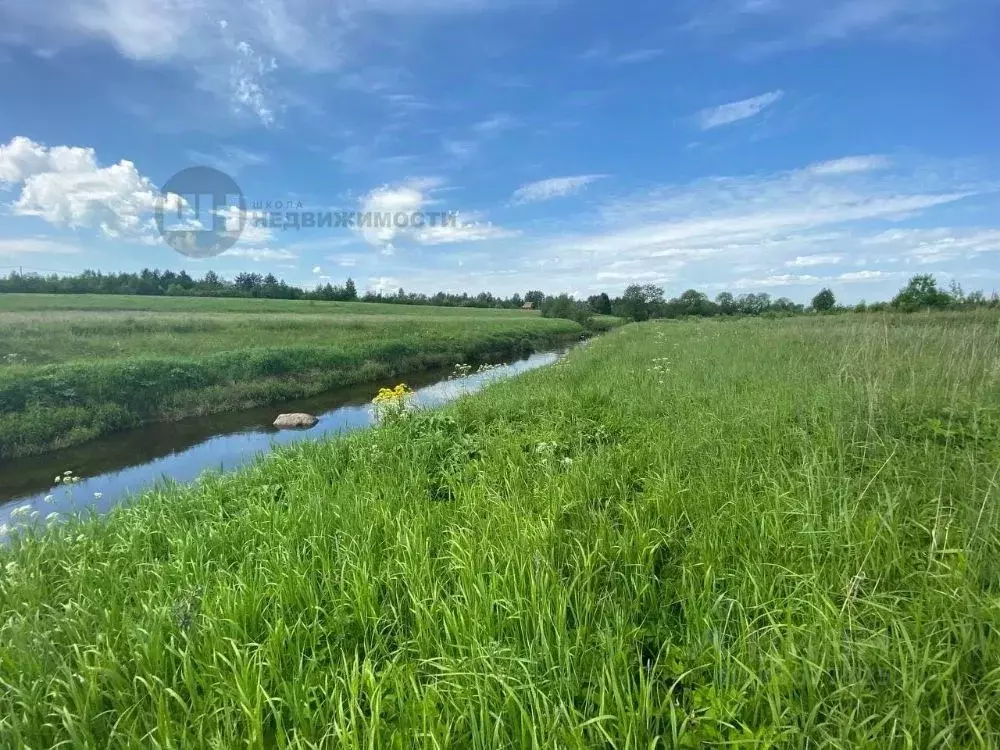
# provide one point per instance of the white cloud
(384, 285)
(65, 186)
(23, 158)
(317, 269)
(806, 261)
(238, 52)
(934, 245)
(462, 231)
(406, 198)
(554, 187)
(230, 159)
(706, 232)
(767, 27)
(258, 254)
(851, 165)
(36, 246)
(726, 114)
(412, 198)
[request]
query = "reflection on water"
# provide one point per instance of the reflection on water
(112, 468)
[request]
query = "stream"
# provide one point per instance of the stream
(113, 468)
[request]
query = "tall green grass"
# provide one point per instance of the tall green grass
(761, 533)
(68, 375)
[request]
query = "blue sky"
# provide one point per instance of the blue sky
(741, 145)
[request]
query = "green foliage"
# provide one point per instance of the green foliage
(824, 301)
(921, 293)
(68, 375)
(750, 533)
(566, 307)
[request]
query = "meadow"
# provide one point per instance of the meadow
(74, 367)
(759, 532)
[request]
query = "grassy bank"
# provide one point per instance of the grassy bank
(762, 532)
(70, 373)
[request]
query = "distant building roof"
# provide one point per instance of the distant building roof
(528, 306)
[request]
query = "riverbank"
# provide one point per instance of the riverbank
(116, 468)
(760, 532)
(70, 375)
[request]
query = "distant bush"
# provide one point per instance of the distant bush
(568, 308)
(922, 293)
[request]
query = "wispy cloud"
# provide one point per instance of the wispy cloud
(767, 27)
(230, 159)
(726, 114)
(258, 254)
(554, 187)
(807, 261)
(712, 232)
(36, 246)
(851, 165)
(243, 55)
(496, 124)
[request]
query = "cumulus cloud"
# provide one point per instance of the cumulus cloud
(65, 186)
(412, 199)
(554, 187)
(726, 114)
(384, 285)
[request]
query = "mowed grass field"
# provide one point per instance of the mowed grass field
(75, 367)
(744, 533)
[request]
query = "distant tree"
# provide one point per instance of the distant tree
(536, 298)
(600, 304)
(693, 302)
(350, 290)
(824, 301)
(753, 304)
(921, 293)
(785, 306)
(726, 303)
(640, 302)
(565, 306)
(249, 284)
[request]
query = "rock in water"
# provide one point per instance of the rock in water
(292, 421)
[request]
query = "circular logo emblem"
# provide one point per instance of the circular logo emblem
(200, 212)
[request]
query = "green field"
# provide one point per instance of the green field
(753, 533)
(74, 367)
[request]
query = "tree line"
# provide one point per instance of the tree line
(639, 302)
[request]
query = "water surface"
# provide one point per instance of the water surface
(115, 467)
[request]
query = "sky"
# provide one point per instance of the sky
(775, 146)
